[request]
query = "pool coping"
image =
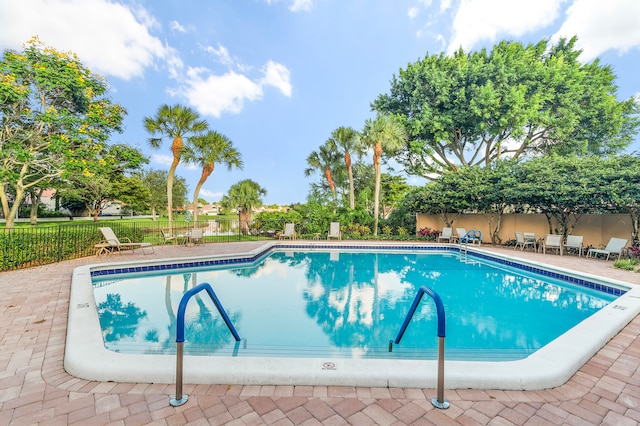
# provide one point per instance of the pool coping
(551, 366)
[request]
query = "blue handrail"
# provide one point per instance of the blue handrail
(439, 401)
(180, 398)
(471, 236)
(183, 306)
(439, 309)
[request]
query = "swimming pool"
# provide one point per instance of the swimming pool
(345, 304)
(549, 366)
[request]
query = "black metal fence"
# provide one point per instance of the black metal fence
(23, 247)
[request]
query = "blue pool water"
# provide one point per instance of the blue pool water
(345, 304)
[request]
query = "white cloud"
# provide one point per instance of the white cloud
(162, 159)
(126, 46)
(476, 21)
(600, 26)
(210, 195)
(301, 5)
(175, 26)
(297, 5)
(222, 54)
(412, 12)
(278, 76)
(215, 94)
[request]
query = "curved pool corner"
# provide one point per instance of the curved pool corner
(551, 366)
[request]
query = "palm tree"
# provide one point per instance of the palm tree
(324, 159)
(176, 122)
(384, 135)
(347, 140)
(206, 151)
(245, 195)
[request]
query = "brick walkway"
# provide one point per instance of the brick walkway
(35, 389)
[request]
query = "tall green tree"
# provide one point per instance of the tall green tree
(473, 108)
(324, 160)
(562, 187)
(385, 135)
(392, 191)
(156, 181)
(347, 141)
(244, 195)
(100, 188)
(54, 116)
(206, 151)
(623, 186)
(176, 122)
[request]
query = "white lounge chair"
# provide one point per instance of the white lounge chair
(553, 242)
(447, 234)
(574, 242)
(334, 231)
(111, 243)
(289, 232)
(615, 246)
(528, 239)
(460, 232)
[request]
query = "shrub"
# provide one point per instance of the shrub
(627, 264)
(428, 233)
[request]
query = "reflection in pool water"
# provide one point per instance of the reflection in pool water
(321, 303)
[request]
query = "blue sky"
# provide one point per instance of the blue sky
(278, 76)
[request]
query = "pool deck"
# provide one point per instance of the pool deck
(35, 388)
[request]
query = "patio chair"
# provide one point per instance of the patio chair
(111, 243)
(615, 246)
(196, 235)
(289, 232)
(334, 231)
(447, 234)
(553, 242)
(460, 232)
(167, 237)
(523, 242)
(574, 242)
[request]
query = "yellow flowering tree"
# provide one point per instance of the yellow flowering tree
(108, 181)
(54, 117)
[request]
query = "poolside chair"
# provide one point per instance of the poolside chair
(460, 232)
(615, 246)
(553, 242)
(196, 235)
(289, 232)
(574, 242)
(447, 234)
(168, 237)
(334, 231)
(522, 241)
(111, 243)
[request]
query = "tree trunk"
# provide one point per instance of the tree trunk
(176, 147)
(206, 172)
(635, 222)
(36, 196)
(245, 218)
(352, 196)
(10, 213)
(377, 154)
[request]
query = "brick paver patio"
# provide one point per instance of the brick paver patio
(35, 389)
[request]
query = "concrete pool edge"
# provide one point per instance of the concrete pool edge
(553, 365)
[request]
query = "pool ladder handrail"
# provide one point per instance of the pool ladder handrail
(180, 398)
(471, 236)
(439, 401)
